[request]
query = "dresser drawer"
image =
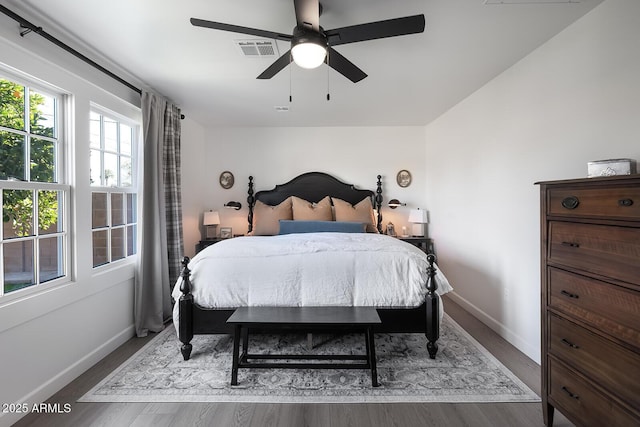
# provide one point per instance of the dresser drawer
(612, 309)
(619, 202)
(582, 401)
(615, 368)
(602, 249)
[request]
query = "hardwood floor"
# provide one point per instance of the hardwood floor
(296, 415)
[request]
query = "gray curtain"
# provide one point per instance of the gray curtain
(161, 212)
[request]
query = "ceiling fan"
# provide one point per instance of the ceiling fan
(311, 45)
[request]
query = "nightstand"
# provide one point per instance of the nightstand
(424, 243)
(208, 242)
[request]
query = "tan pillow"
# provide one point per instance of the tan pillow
(360, 212)
(307, 211)
(266, 218)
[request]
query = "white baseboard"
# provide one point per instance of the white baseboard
(59, 381)
(531, 351)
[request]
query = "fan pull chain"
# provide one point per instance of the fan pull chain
(328, 79)
(290, 67)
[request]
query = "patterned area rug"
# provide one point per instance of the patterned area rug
(463, 371)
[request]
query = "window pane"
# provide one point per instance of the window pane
(125, 172)
(110, 170)
(117, 243)
(49, 211)
(18, 265)
(125, 139)
(11, 155)
(100, 254)
(12, 106)
(132, 208)
(51, 258)
(112, 165)
(110, 135)
(17, 213)
(43, 160)
(131, 239)
(98, 210)
(42, 114)
(94, 130)
(117, 209)
(96, 169)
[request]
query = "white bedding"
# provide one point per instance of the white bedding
(312, 269)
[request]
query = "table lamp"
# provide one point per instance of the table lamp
(418, 218)
(211, 222)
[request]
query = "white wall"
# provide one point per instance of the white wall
(195, 178)
(49, 338)
(575, 99)
(355, 155)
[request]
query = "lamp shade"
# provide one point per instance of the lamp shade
(418, 216)
(211, 218)
(308, 55)
(308, 48)
(233, 205)
(394, 203)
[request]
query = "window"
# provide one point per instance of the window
(34, 195)
(113, 200)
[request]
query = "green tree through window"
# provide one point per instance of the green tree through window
(33, 238)
(18, 205)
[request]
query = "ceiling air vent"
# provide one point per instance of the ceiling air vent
(258, 48)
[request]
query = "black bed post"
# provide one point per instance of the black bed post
(378, 201)
(185, 328)
(250, 202)
(433, 308)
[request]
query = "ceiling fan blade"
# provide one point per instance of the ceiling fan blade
(277, 66)
(238, 29)
(344, 66)
(376, 30)
(308, 13)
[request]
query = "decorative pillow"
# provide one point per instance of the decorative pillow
(289, 227)
(360, 212)
(307, 211)
(265, 217)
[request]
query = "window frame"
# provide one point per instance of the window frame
(61, 177)
(111, 189)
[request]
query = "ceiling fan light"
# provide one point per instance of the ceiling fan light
(308, 55)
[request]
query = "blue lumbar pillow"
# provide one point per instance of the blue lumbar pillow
(290, 227)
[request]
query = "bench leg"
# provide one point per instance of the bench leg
(309, 341)
(371, 354)
(236, 354)
(245, 343)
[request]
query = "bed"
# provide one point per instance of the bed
(330, 253)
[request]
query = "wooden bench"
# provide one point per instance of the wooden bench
(307, 319)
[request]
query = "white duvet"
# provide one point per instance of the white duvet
(312, 269)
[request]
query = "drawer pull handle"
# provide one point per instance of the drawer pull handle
(569, 343)
(571, 244)
(570, 202)
(569, 294)
(625, 202)
(571, 395)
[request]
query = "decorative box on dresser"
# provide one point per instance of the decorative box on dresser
(590, 248)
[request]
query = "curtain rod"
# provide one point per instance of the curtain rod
(29, 27)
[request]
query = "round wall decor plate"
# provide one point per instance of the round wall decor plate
(226, 180)
(403, 178)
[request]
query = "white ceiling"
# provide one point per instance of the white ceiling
(412, 79)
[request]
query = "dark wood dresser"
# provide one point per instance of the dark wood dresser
(590, 247)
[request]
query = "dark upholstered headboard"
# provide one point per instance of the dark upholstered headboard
(313, 187)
